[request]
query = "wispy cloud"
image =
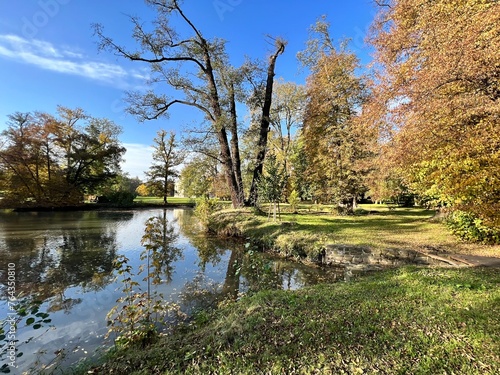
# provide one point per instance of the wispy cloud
(45, 55)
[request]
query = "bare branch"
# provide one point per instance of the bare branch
(150, 106)
(106, 43)
(382, 3)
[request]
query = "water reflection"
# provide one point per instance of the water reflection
(56, 251)
(159, 242)
(245, 270)
(67, 259)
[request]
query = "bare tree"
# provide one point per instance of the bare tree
(199, 70)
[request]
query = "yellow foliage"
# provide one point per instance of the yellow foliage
(438, 96)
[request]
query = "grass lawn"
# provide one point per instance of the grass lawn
(159, 200)
(404, 321)
(374, 226)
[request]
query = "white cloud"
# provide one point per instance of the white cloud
(46, 56)
(138, 159)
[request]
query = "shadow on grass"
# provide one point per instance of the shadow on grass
(370, 225)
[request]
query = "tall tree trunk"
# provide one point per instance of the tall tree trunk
(165, 190)
(225, 152)
(264, 125)
(228, 168)
(235, 148)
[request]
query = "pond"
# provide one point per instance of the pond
(66, 262)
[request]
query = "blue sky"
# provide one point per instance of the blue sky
(49, 55)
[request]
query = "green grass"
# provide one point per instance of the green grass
(409, 320)
(159, 200)
(374, 226)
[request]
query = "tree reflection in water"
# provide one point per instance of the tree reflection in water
(140, 315)
(160, 251)
(53, 252)
(79, 252)
(67, 260)
(247, 271)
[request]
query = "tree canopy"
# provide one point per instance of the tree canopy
(437, 99)
(53, 161)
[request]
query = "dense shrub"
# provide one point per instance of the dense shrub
(469, 227)
(121, 198)
(204, 209)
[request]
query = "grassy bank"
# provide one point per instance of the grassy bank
(410, 320)
(374, 226)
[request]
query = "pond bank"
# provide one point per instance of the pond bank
(364, 241)
(405, 320)
(399, 320)
(101, 207)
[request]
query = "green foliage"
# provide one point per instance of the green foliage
(198, 177)
(204, 209)
(272, 182)
(299, 166)
(25, 313)
(121, 198)
(139, 315)
(294, 200)
(470, 228)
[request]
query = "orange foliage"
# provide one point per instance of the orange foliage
(437, 99)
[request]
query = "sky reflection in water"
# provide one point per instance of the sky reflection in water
(66, 258)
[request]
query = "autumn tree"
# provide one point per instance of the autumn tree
(166, 157)
(52, 161)
(437, 99)
(198, 69)
(333, 138)
(143, 190)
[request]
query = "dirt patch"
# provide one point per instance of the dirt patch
(476, 260)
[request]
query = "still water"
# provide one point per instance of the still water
(66, 261)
